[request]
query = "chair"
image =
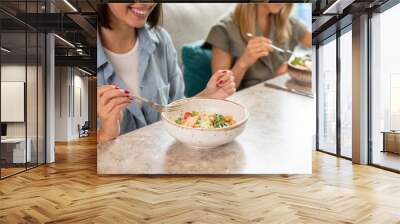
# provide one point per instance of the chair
(84, 130)
(196, 67)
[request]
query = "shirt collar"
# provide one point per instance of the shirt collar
(101, 56)
(148, 40)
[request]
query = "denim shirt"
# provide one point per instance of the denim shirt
(160, 77)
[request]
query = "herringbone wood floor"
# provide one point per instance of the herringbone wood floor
(70, 191)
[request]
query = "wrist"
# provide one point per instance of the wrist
(104, 136)
(242, 63)
(203, 93)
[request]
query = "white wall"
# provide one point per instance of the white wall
(33, 127)
(69, 82)
(14, 73)
(80, 83)
(178, 15)
(61, 104)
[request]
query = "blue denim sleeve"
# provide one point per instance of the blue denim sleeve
(177, 86)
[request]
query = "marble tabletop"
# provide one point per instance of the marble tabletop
(277, 140)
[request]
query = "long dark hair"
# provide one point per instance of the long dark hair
(103, 18)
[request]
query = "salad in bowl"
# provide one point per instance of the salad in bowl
(205, 123)
(196, 119)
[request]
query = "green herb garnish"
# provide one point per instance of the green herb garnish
(178, 121)
(297, 61)
(219, 121)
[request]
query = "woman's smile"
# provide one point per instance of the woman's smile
(140, 13)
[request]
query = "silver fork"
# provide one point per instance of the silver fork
(250, 35)
(158, 107)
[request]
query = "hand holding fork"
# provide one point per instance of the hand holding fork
(250, 35)
(220, 85)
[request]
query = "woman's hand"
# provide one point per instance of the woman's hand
(220, 86)
(110, 102)
(282, 69)
(257, 47)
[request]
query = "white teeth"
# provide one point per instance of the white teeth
(140, 12)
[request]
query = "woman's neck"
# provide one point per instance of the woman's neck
(262, 19)
(120, 39)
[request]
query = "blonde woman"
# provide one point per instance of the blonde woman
(250, 57)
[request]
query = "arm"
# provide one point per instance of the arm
(175, 77)
(222, 60)
(256, 48)
(220, 41)
(307, 39)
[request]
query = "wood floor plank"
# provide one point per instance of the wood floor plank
(70, 191)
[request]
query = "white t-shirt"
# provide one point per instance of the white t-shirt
(126, 67)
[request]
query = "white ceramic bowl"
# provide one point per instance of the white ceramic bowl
(299, 74)
(202, 137)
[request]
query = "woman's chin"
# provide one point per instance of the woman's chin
(137, 24)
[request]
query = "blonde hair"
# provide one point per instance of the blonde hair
(245, 16)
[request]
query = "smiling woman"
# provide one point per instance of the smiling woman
(153, 16)
(136, 57)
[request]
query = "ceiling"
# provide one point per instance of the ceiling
(23, 21)
(330, 15)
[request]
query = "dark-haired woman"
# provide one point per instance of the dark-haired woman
(136, 56)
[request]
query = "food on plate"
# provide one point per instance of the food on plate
(304, 62)
(196, 119)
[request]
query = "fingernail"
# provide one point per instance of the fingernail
(126, 91)
(220, 81)
(116, 87)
